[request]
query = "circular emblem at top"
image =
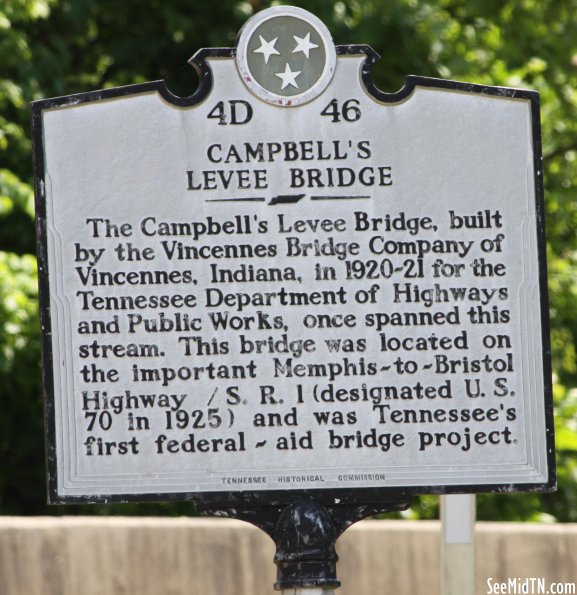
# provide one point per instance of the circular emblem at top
(286, 56)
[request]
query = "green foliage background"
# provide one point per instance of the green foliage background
(58, 47)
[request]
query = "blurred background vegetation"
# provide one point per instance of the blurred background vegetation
(58, 47)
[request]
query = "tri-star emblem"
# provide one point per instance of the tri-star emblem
(286, 56)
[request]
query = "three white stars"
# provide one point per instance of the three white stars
(268, 49)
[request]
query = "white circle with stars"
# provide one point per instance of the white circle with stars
(285, 56)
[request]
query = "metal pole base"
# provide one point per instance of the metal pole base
(305, 533)
(305, 547)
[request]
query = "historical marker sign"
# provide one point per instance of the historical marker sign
(293, 281)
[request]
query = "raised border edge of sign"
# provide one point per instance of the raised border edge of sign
(274, 497)
(199, 61)
(44, 299)
(324, 496)
(543, 292)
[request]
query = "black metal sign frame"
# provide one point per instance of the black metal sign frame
(252, 500)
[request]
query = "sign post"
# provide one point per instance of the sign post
(292, 298)
(458, 544)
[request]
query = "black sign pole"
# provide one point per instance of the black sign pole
(305, 533)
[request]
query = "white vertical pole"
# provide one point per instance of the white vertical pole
(458, 544)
